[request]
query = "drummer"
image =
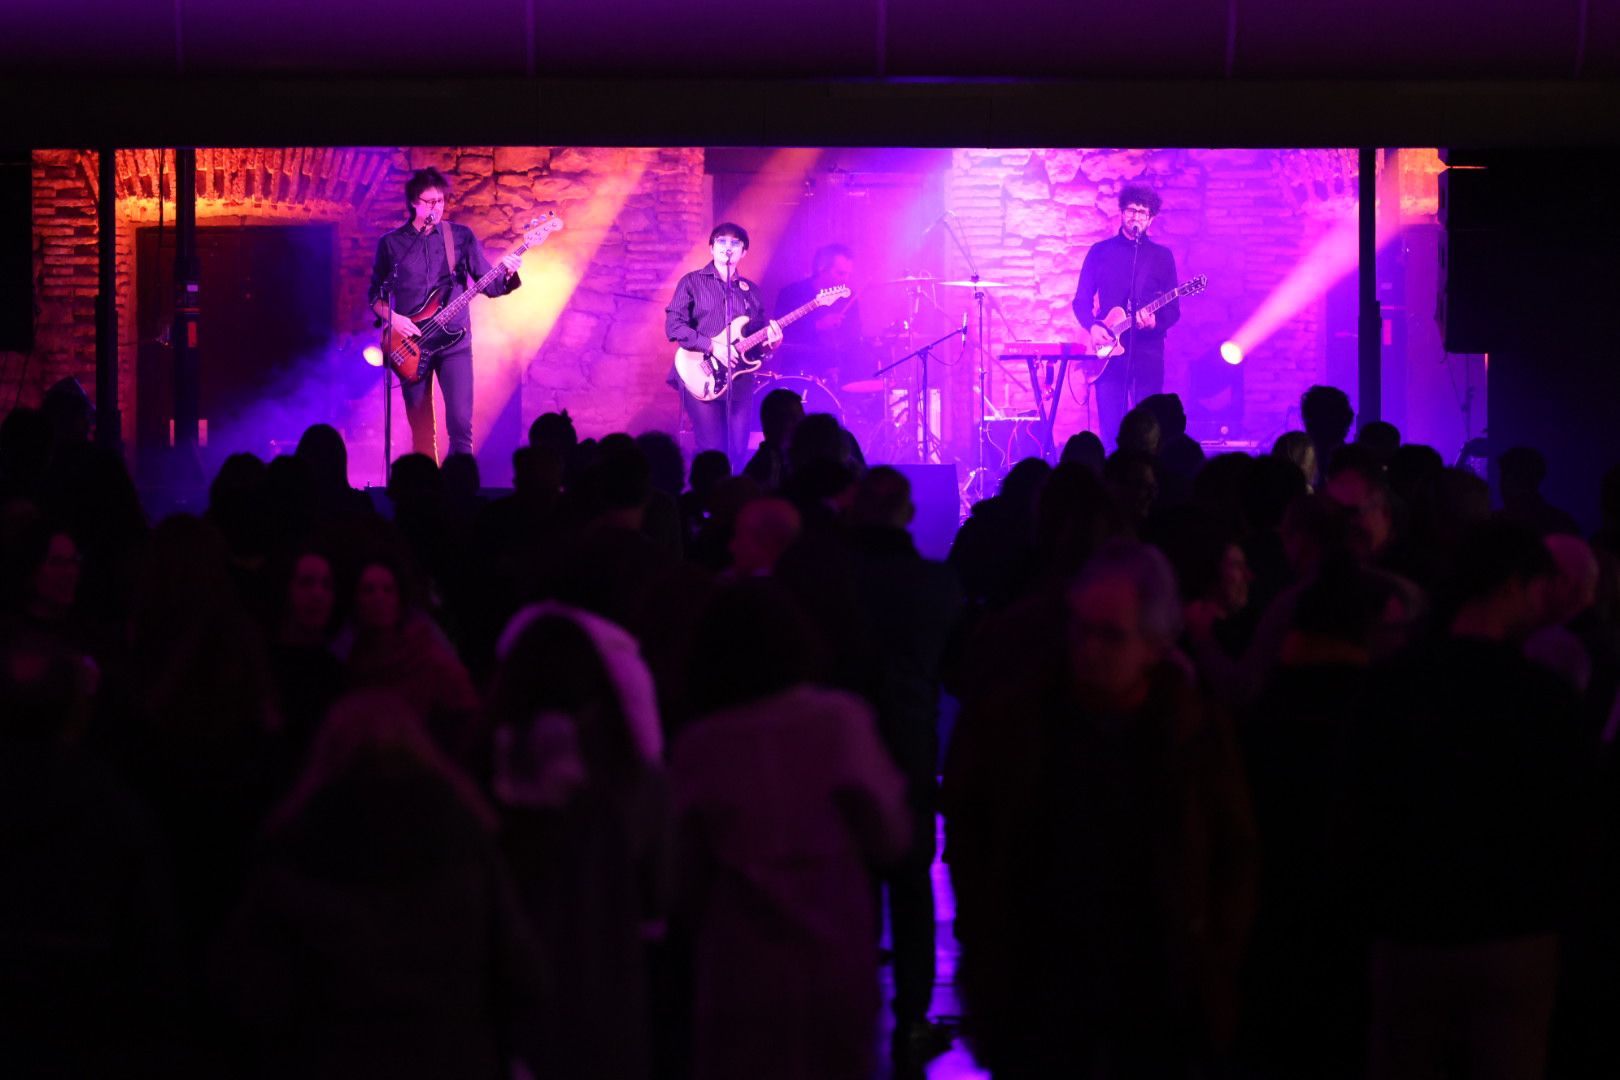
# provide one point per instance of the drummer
(822, 338)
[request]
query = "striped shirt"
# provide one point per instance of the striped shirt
(697, 312)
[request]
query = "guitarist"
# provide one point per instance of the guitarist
(1126, 271)
(696, 314)
(414, 260)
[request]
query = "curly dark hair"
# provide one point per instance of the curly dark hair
(1140, 195)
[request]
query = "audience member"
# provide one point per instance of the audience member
(1326, 413)
(380, 933)
(1101, 916)
(577, 777)
(784, 800)
(1465, 895)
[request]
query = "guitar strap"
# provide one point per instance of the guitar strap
(449, 248)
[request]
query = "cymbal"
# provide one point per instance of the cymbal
(977, 284)
(909, 279)
(863, 386)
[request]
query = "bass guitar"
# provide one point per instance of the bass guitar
(404, 353)
(1106, 338)
(707, 375)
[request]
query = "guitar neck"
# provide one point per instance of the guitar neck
(781, 320)
(1160, 302)
(459, 304)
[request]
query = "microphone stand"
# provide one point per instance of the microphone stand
(977, 476)
(922, 355)
(1130, 326)
(388, 376)
(726, 363)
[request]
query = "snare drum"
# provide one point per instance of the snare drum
(815, 394)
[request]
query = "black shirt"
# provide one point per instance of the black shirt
(422, 268)
(1105, 283)
(1467, 794)
(819, 328)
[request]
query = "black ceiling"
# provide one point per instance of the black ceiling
(921, 72)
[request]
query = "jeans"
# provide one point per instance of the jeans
(709, 420)
(1122, 387)
(454, 371)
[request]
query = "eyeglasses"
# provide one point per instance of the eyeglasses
(1136, 211)
(431, 202)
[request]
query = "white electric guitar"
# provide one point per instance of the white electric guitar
(1107, 336)
(707, 375)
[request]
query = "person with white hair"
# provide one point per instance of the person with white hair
(1100, 841)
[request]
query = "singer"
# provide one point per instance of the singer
(704, 301)
(415, 259)
(1125, 271)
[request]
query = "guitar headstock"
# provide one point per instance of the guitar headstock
(1195, 286)
(830, 296)
(541, 227)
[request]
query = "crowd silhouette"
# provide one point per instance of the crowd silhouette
(1276, 766)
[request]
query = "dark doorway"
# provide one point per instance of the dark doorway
(264, 331)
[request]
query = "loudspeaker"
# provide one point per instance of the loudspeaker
(1214, 391)
(939, 507)
(1471, 300)
(16, 253)
(1478, 208)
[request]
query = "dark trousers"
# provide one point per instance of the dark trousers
(709, 420)
(1128, 380)
(454, 371)
(910, 888)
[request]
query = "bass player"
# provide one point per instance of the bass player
(415, 260)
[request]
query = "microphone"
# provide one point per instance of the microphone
(964, 328)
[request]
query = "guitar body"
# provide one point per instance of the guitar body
(405, 355)
(707, 375)
(1105, 339)
(1116, 322)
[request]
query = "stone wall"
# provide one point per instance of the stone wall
(1243, 217)
(586, 333)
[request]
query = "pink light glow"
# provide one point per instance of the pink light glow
(1338, 253)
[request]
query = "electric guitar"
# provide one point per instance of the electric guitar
(1107, 337)
(708, 375)
(405, 352)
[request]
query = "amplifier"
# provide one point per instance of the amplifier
(1009, 441)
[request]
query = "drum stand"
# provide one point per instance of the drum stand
(927, 446)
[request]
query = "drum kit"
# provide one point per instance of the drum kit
(877, 386)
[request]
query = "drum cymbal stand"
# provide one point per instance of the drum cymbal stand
(927, 447)
(976, 477)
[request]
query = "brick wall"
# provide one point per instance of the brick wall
(65, 258)
(634, 219)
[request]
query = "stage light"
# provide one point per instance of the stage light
(373, 355)
(1231, 352)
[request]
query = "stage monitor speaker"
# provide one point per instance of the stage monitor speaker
(939, 507)
(16, 253)
(1214, 391)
